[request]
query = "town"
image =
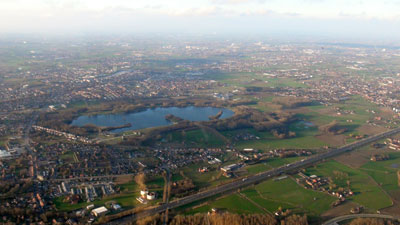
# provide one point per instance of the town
(174, 119)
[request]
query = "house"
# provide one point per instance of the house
(116, 206)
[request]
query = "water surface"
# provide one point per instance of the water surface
(151, 117)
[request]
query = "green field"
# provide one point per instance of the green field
(384, 173)
(232, 203)
(288, 192)
(2, 143)
(68, 157)
(284, 82)
(361, 108)
(309, 142)
(268, 204)
(270, 195)
(270, 163)
(257, 168)
(255, 80)
(196, 138)
(305, 138)
(125, 200)
(367, 192)
(202, 180)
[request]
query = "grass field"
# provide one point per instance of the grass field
(202, 180)
(384, 173)
(305, 138)
(362, 111)
(232, 203)
(367, 192)
(308, 142)
(255, 80)
(2, 143)
(288, 192)
(68, 157)
(125, 200)
(270, 163)
(284, 82)
(268, 204)
(197, 138)
(260, 167)
(270, 195)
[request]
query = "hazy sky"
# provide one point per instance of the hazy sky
(351, 18)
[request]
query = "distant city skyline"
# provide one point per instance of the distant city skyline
(357, 19)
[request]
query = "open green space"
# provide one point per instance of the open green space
(271, 163)
(198, 138)
(356, 109)
(288, 192)
(2, 143)
(385, 173)
(268, 204)
(270, 195)
(257, 168)
(284, 82)
(125, 200)
(208, 179)
(232, 203)
(367, 191)
(255, 80)
(68, 156)
(155, 183)
(305, 138)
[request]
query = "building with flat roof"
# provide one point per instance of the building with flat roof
(4, 154)
(99, 211)
(229, 168)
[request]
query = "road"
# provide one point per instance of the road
(113, 138)
(254, 179)
(167, 193)
(339, 219)
(91, 177)
(27, 144)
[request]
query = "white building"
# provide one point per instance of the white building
(151, 196)
(99, 211)
(4, 154)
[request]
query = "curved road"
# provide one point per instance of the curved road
(253, 179)
(339, 219)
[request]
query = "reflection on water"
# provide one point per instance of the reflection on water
(151, 117)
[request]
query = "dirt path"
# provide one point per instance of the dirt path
(213, 131)
(254, 203)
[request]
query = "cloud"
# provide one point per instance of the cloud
(241, 16)
(236, 1)
(201, 11)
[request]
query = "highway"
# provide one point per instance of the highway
(253, 179)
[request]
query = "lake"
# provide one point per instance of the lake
(154, 117)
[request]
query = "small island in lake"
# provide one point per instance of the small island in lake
(116, 127)
(217, 116)
(173, 118)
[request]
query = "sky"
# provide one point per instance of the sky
(330, 18)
